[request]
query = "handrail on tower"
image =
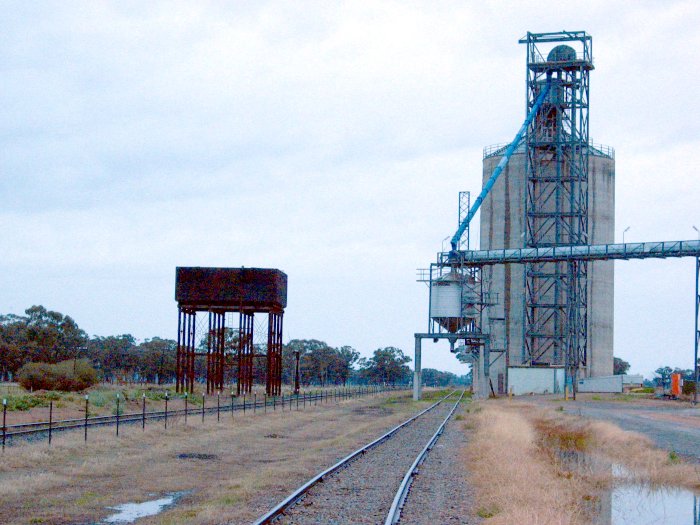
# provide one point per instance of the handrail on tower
(501, 165)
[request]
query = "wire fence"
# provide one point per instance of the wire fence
(212, 406)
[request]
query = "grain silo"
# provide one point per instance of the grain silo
(556, 190)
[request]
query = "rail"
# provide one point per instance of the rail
(493, 150)
(595, 252)
(253, 404)
(299, 493)
(397, 505)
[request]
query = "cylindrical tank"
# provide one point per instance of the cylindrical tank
(502, 226)
(453, 301)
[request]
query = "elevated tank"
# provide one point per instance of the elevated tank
(453, 301)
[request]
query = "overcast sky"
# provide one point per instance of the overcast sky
(327, 139)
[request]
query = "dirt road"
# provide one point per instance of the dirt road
(670, 425)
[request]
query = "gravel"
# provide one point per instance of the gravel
(671, 428)
(440, 494)
(363, 492)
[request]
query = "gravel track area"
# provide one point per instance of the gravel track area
(440, 494)
(670, 428)
(362, 492)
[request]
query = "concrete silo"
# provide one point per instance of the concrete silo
(502, 226)
(553, 319)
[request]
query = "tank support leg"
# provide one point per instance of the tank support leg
(417, 374)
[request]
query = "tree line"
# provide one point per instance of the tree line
(44, 336)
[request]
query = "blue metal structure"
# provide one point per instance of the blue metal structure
(499, 169)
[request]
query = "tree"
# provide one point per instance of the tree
(54, 336)
(156, 359)
(346, 357)
(113, 355)
(620, 367)
(387, 365)
(664, 374)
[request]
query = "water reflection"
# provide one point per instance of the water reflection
(130, 512)
(629, 503)
(633, 504)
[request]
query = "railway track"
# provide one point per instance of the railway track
(370, 485)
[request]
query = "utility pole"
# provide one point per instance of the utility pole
(296, 372)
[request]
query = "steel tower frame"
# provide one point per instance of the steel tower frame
(556, 202)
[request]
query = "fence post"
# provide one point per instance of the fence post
(50, 420)
(143, 412)
(87, 411)
(266, 402)
(167, 396)
(186, 398)
(231, 405)
(282, 402)
(4, 423)
(202, 407)
(218, 407)
(255, 403)
(117, 415)
(244, 404)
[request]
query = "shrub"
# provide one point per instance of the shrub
(67, 376)
(688, 387)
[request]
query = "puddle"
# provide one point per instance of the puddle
(633, 504)
(130, 512)
(629, 503)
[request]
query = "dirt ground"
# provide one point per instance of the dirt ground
(231, 472)
(671, 425)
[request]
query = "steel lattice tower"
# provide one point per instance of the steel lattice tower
(556, 199)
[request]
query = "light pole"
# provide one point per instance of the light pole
(623, 234)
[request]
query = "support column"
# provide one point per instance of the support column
(697, 331)
(274, 354)
(417, 373)
(245, 353)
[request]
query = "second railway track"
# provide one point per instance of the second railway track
(360, 488)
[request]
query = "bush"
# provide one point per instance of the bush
(688, 387)
(67, 376)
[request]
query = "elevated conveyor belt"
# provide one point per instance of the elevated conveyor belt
(501, 165)
(596, 252)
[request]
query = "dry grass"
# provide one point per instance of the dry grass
(534, 466)
(74, 483)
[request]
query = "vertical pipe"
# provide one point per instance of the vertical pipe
(143, 412)
(231, 405)
(203, 407)
(167, 396)
(50, 420)
(186, 399)
(117, 415)
(417, 375)
(255, 403)
(218, 407)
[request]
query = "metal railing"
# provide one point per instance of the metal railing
(254, 404)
